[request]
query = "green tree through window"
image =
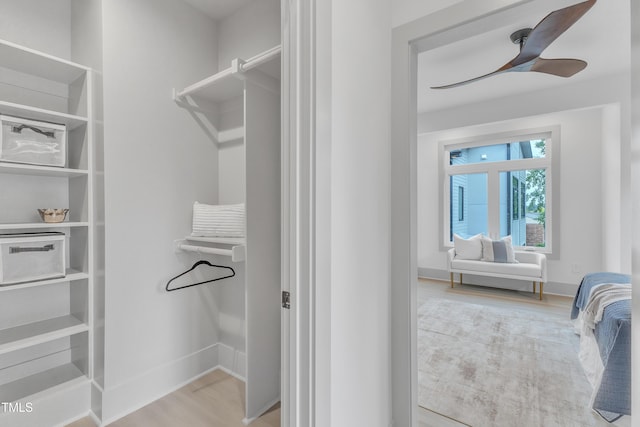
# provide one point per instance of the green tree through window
(536, 186)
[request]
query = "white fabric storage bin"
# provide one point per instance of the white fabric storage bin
(32, 142)
(31, 256)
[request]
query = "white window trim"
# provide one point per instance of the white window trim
(551, 135)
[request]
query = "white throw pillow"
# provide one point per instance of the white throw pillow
(498, 250)
(218, 220)
(470, 248)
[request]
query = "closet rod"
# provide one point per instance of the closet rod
(261, 58)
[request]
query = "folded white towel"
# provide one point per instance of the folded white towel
(218, 220)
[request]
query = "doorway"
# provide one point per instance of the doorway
(445, 27)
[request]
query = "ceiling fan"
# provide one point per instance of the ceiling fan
(533, 41)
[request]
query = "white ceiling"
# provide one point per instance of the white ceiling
(601, 37)
(218, 9)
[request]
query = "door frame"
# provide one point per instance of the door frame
(300, 328)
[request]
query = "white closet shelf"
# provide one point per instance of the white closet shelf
(35, 113)
(60, 376)
(36, 170)
(232, 247)
(40, 225)
(31, 334)
(70, 276)
(229, 135)
(228, 83)
(39, 64)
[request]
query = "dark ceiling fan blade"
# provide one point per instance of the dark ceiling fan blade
(475, 79)
(549, 29)
(559, 67)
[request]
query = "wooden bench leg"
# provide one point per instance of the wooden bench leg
(451, 278)
(541, 286)
(460, 279)
(534, 287)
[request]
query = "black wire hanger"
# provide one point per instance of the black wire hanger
(201, 262)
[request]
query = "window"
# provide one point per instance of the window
(499, 186)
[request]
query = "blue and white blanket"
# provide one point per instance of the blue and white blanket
(612, 397)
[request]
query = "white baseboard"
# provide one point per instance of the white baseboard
(95, 418)
(89, 414)
(551, 288)
(433, 273)
(156, 383)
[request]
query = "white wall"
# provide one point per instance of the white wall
(360, 216)
(40, 25)
(610, 154)
(252, 29)
(403, 11)
(157, 161)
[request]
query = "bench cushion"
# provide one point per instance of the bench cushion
(519, 269)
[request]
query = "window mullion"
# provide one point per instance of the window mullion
(493, 203)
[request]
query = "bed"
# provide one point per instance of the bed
(602, 316)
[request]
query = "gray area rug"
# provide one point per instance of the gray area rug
(488, 367)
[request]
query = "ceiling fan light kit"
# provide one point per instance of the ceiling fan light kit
(534, 41)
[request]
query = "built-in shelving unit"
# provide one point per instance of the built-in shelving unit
(240, 108)
(46, 326)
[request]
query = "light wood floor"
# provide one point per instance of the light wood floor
(217, 399)
(214, 400)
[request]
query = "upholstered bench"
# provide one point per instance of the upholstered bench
(531, 266)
